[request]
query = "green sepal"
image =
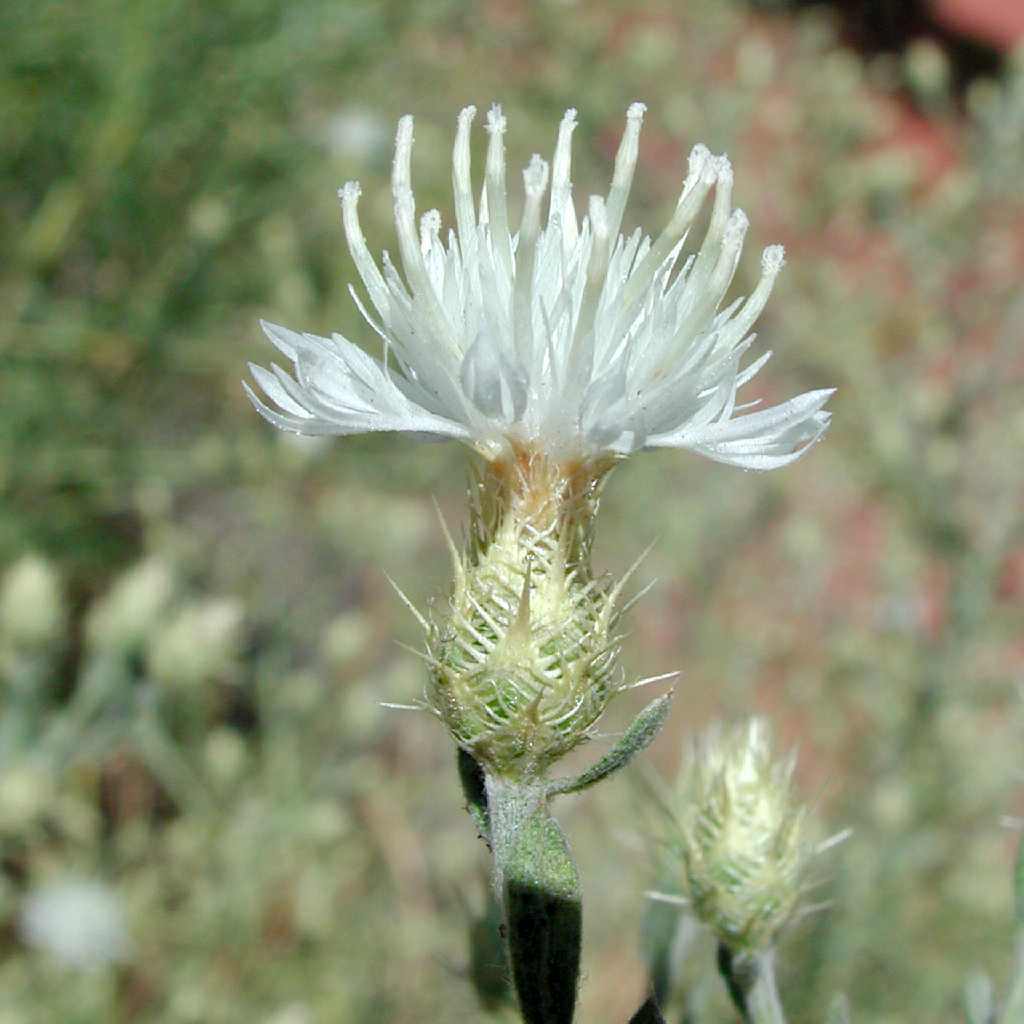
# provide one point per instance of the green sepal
(544, 919)
(648, 1014)
(641, 731)
(471, 775)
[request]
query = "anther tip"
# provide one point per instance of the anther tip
(737, 226)
(772, 259)
(350, 192)
(430, 222)
(636, 111)
(495, 119)
(535, 174)
(723, 169)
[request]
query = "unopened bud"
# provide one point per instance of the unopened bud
(743, 837)
(32, 612)
(198, 645)
(124, 618)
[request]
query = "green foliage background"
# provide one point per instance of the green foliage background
(285, 850)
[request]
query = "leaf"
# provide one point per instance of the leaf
(488, 966)
(739, 973)
(638, 736)
(648, 1014)
(544, 920)
(838, 1010)
(1018, 886)
(471, 776)
(659, 930)
(979, 999)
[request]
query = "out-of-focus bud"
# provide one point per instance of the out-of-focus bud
(293, 1013)
(346, 638)
(927, 70)
(124, 618)
(225, 756)
(78, 922)
(32, 611)
(742, 839)
(199, 645)
(26, 791)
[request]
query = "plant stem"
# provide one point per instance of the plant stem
(763, 1000)
(537, 885)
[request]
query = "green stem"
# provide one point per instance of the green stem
(763, 999)
(750, 980)
(1013, 1011)
(510, 804)
(537, 885)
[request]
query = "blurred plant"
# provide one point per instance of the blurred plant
(553, 353)
(162, 163)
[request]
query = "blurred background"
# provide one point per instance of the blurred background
(205, 815)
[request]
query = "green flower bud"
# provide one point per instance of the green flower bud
(128, 614)
(32, 611)
(526, 661)
(200, 643)
(743, 839)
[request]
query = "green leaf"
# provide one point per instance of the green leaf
(667, 937)
(544, 921)
(739, 972)
(648, 1014)
(1018, 886)
(838, 1010)
(638, 736)
(471, 776)
(979, 999)
(488, 967)
(659, 931)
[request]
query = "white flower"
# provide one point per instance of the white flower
(78, 922)
(566, 338)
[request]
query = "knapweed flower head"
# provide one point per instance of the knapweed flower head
(554, 335)
(742, 837)
(526, 661)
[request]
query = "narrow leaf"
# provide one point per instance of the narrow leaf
(1018, 886)
(471, 776)
(648, 1014)
(544, 919)
(488, 968)
(639, 735)
(979, 999)
(659, 930)
(838, 1010)
(739, 973)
